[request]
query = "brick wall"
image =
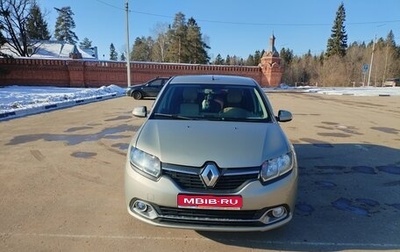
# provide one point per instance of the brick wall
(81, 73)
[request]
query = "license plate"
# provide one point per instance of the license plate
(209, 201)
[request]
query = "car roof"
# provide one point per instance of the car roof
(213, 79)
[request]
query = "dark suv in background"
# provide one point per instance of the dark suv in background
(147, 89)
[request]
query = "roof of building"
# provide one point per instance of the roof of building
(53, 49)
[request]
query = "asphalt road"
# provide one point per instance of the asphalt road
(61, 181)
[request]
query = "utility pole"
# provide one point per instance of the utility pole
(372, 60)
(128, 62)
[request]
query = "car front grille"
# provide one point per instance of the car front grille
(188, 178)
(213, 217)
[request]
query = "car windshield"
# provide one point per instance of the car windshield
(211, 102)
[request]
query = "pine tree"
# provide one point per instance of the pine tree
(257, 57)
(250, 61)
(196, 47)
(122, 58)
(113, 52)
(337, 43)
(177, 49)
(286, 56)
(141, 50)
(228, 60)
(186, 44)
(64, 25)
(219, 60)
(85, 44)
(390, 41)
(392, 57)
(36, 26)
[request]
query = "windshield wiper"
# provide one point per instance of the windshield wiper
(174, 116)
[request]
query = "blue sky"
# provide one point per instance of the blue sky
(231, 26)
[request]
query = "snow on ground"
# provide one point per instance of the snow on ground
(355, 91)
(359, 91)
(19, 101)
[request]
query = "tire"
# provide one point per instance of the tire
(137, 95)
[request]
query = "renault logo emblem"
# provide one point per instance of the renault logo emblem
(210, 175)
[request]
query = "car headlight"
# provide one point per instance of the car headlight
(276, 167)
(145, 162)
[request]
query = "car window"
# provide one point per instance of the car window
(212, 102)
(156, 83)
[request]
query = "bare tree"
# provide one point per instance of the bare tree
(161, 42)
(354, 61)
(333, 72)
(2, 42)
(13, 17)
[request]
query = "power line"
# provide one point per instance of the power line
(267, 24)
(293, 24)
(250, 24)
(111, 5)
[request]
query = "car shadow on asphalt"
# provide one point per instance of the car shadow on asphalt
(348, 198)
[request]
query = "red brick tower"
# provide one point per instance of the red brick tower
(271, 66)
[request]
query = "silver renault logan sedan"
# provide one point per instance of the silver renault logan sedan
(212, 156)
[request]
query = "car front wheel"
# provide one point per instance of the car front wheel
(137, 95)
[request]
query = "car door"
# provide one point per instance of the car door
(153, 87)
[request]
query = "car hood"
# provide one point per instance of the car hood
(228, 144)
(136, 86)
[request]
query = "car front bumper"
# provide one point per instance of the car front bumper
(155, 202)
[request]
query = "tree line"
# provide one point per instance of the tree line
(22, 25)
(358, 64)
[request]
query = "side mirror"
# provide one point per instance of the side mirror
(140, 111)
(284, 116)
